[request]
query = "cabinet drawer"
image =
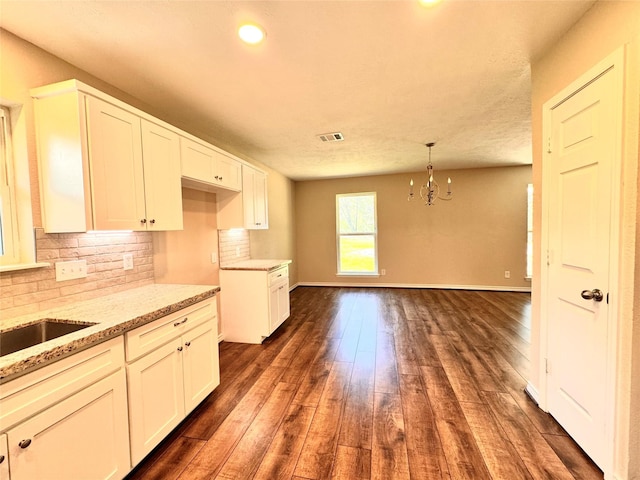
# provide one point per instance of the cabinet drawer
(31, 393)
(148, 337)
(278, 275)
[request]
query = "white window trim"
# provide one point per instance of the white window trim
(529, 258)
(24, 255)
(376, 272)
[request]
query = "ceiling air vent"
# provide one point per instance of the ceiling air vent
(331, 137)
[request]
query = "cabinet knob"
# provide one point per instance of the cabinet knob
(152, 221)
(179, 349)
(24, 443)
(143, 221)
(1, 458)
(188, 344)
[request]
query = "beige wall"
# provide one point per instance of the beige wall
(469, 241)
(185, 256)
(606, 27)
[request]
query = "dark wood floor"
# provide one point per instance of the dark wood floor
(377, 384)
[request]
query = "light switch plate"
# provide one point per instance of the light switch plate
(71, 270)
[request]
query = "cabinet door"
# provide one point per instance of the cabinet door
(201, 364)
(261, 214)
(84, 436)
(228, 172)
(4, 458)
(115, 155)
(196, 161)
(156, 400)
(254, 201)
(274, 311)
(163, 191)
(283, 302)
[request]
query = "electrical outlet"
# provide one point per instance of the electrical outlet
(214, 257)
(383, 271)
(71, 270)
(127, 261)
(507, 274)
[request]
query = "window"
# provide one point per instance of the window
(529, 230)
(9, 253)
(17, 242)
(356, 231)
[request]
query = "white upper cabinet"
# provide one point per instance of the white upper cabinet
(248, 209)
(204, 167)
(104, 165)
(254, 198)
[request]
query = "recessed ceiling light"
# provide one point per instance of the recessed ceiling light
(251, 33)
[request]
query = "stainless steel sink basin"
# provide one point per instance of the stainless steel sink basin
(47, 329)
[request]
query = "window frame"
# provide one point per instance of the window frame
(9, 239)
(373, 233)
(17, 173)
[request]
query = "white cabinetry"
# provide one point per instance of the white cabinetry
(69, 419)
(204, 166)
(250, 208)
(173, 365)
(4, 457)
(103, 165)
(254, 198)
(254, 303)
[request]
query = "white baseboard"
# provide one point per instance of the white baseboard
(497, 288)
(532, 392)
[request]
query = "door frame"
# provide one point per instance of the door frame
(614, 64)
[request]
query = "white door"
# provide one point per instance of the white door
(115, 153)
(201, 364)
(156, 397)
(581, 159)
(162, 188)
(83, 437)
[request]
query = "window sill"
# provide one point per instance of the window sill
(23, 266)
(528, 279)
(357, 274)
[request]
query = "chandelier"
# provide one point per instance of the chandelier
(430, 190)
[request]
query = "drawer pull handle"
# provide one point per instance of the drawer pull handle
(24, 443)
(177, 324)
(1, 458)
(188, 344)
(179, 349)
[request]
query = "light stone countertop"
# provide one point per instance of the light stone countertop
(255, 264)
(113, 315)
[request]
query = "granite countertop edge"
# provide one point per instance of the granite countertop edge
(112, 315)
(256, 264)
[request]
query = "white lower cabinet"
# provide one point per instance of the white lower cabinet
(80, 437)
(167, 381)
(4, 457)
(69, 419)
(254, 303)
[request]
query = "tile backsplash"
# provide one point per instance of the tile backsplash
(28, 291)
(234, 246)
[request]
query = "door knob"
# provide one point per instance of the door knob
(594, 294)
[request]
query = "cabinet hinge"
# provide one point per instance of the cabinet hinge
(549, 145)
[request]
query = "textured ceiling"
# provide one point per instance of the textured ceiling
(389, 75)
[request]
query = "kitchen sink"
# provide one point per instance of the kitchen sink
(46, 329)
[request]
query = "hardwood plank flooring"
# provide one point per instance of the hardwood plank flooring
(375, 383)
